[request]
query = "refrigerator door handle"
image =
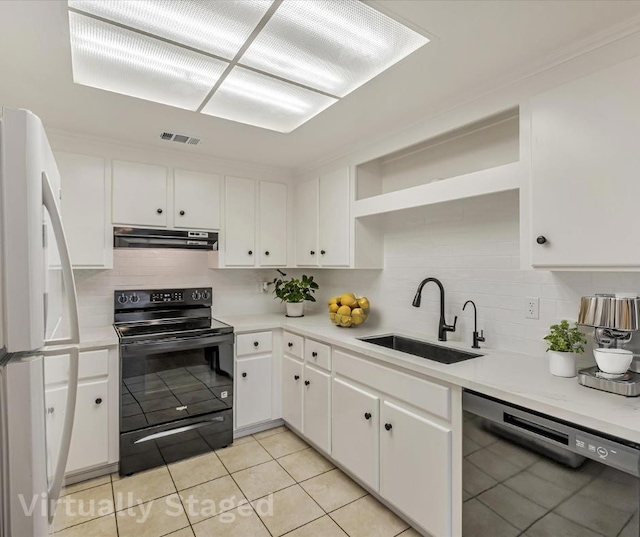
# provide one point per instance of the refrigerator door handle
(49, 201)
(67, 428)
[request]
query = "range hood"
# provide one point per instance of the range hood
(132, 237)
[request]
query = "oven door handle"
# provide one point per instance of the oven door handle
(141, 348)
(179, 430)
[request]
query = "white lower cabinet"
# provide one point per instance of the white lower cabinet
(415, 467)
(355, 419)
(253, 390)
(317, 407)
(292, 384)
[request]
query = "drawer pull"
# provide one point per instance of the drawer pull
(296, 377)
(159, 211)
(244, 375)
(307, 382)
(388, 426)
(367, 415)
(99, 401)
(314, 354)
(255, 344)
(289, 344)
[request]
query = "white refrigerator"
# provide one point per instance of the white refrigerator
(39, 320)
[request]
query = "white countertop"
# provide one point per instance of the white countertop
(100, 337)
(517, 378)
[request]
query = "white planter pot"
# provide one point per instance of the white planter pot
(295, 309)
(562, 364)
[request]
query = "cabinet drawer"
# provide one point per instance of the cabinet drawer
(254, 343)
(92, 364)
(429, 396)
(293, 345)
(317, 353)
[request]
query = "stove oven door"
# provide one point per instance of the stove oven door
(176, 399)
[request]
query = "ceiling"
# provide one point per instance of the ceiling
(475, 43)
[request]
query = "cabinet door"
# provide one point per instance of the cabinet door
(84, 206)
(253, 390)
(317, 407)
(584, 169)
(90, 439)
(273, 224)
(354, 430)
(292, 392)
(415, 467)
(196, 200)
(240, 222)
(139, 194)
(334, 221)
(306, 206)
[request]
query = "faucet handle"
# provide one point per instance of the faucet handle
(481, 336)
(451, 327)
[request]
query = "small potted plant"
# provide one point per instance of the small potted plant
(295, 292)
(565, 344)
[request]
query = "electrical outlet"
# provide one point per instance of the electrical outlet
(532, 306)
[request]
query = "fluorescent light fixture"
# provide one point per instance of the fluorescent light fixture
(269, 64)
(266, 102)
(219, 27)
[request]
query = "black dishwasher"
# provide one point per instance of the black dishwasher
(527, 474)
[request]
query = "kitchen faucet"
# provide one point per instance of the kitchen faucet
(476, 337)
(443, 327)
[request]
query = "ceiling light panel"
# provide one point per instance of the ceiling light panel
(219, 27)
(330, 46)
(259, 100)
(111, 58)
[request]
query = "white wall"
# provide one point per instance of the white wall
(472, 246)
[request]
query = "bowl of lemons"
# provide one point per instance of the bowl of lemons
(346, 310)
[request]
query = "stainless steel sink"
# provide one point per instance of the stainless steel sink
(437, 353)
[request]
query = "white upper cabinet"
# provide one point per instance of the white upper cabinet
(240, 222)
(584, 172)
(306, 229)
(196, 200)
(273, 224)
(85, 206)
(323, 221)
(139, 194)
(335, 220)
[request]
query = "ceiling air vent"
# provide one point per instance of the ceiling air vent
(179, 138)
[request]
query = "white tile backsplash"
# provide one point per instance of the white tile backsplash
(471, 246)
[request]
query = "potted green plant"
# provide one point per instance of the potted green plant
(565, 344)
(295, 292)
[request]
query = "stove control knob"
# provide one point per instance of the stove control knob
(205, 295)
(196, 295)
(123, 299)
(134, 299)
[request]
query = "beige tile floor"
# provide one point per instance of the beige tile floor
(265, 485)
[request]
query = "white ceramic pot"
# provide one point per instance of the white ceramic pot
(562, 364)
(613, 361)
(295, 309)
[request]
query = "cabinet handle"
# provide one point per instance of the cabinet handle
(250, 252)
(312, 252)
(244, 375)
(289, 344)
(182, 213)
(367, 415)
(255, 343)
(267, 252)
(541, 239)
(296, 377)
(388, 426)
(322, 252)
(307, 382)
(314, 354)
(99, 401)
(159, 211)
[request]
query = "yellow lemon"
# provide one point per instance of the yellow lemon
(333, 308)
(334, 300)
(344, 310)
(358, 319)
(357, 311)
(346, 321)
(348, 300)
(336, 318)
(332, 317)
(364, 303)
